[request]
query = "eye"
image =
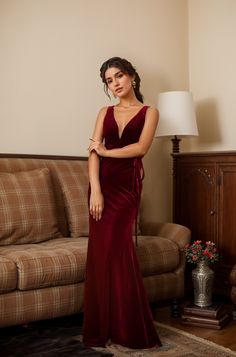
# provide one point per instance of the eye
(108, 81)
(120, 75)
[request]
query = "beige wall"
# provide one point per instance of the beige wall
(50, 90)
(212, 68)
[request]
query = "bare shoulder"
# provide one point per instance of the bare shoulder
(153, 111)
(98, 129)
(102, 113)
(152, 115)
(103, 110)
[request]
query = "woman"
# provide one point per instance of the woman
(116, 306)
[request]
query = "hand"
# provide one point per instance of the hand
(96, 205)
(98, 147)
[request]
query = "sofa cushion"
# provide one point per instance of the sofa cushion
(22, 307)
(27, 207)
(56, 262)
(157, 255)
(8, 275)
(74, 183)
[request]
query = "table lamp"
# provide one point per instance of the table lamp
(177, 116)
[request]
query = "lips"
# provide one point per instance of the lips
(118, 90)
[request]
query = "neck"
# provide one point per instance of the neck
(127, 105)
(128, 102)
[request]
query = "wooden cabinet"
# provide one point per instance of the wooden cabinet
(205, 201)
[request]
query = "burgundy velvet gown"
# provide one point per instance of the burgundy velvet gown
(116, 306)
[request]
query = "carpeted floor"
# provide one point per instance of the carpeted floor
(49, 338)
(62, 337)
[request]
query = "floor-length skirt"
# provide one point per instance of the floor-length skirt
(116, 306)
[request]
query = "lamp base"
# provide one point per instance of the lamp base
(175, 144)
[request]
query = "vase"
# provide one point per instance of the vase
(203, 278)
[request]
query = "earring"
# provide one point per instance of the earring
(134, 84)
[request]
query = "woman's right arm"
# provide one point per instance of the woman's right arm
(96, 203)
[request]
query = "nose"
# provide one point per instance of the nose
(116, 82)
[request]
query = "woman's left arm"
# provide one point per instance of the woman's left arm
(133, 150)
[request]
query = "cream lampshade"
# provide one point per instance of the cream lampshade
(177, 116)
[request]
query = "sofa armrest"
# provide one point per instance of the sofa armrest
(177, 233)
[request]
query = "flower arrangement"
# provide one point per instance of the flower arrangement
(199, 251)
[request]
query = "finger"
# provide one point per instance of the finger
(97, 213)
(92, 211)
(94, 141)
(90, 147)
(100, 211)
(94, 214)
(100, 214)
(93, 147)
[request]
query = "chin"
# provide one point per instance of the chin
(122, 94)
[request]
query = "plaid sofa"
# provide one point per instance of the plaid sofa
(44, 235)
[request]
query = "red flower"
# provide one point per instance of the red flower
(199, 251)
(197, 242)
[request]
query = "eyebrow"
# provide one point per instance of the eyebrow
(114, 75)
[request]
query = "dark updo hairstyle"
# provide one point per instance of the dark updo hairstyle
(127, 68)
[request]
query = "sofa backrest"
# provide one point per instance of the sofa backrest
(69, 180)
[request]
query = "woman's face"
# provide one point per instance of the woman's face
(119, 83)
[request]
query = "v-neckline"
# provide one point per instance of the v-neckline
(120, 134)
